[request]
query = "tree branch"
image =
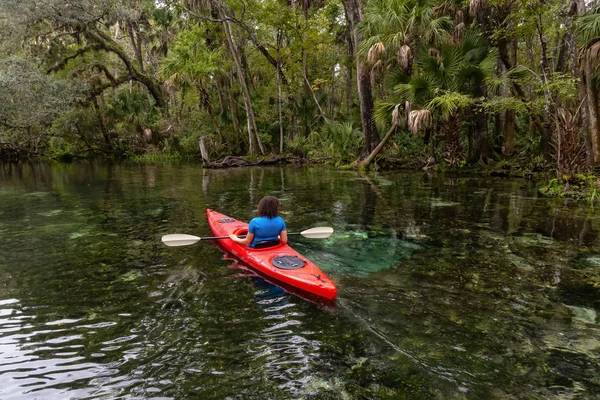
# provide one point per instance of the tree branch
(61, 64)
(107, 73)
(108, 44)
(97, 90)
(251, 36)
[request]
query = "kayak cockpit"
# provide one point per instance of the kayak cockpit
(263, 245)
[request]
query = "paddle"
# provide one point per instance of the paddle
(180, 239)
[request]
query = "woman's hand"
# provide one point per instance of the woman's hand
(247, 240)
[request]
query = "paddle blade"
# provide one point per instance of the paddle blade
(179, 239)
(318, 233)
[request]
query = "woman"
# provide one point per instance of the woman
(268, 226)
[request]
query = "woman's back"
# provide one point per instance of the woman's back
(265, 228)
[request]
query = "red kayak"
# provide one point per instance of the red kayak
(279, 262)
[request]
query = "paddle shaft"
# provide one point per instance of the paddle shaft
(241, 237)
(179, 239)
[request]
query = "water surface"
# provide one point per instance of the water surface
(448, 287)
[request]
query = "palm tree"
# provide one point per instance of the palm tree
(444, 87)
(354, 16)
(397, 29)
(588, 37)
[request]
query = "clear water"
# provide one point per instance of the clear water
(449, 287)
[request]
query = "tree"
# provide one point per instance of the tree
(588, 36)
(64, 32)
(224, 16)
(354, 16)
(444, 86)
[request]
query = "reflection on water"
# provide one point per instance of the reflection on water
(449, 287)
(284, 347)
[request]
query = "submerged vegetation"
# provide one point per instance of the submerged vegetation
(511, 84)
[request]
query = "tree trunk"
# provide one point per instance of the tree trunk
(377, 149)
(252, 130)
(535, 120)
(452, 151)
(219, 95)
(204, 100)
(279, 39)
(365, 95)
(349, 86)
(482, 149)
(233, 110)
(509, 118)
(105, 134)
(137, 47)
(592, 102)
(204, 151)
(577, 10)
(546, 139)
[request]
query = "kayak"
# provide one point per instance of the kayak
(280, 262)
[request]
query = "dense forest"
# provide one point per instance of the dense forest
(429, 83)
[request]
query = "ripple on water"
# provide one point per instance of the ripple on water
(282, 347)
(49, 359)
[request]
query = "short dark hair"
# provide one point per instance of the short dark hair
(268, 207)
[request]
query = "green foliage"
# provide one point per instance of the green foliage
(60, 150)
(502, 104)
(150, 77)
(580, 186)
(40, 99)
(340, 141)
(130, 113)
(588, 28)
(449, 103)
(75, 133)
(190, 60)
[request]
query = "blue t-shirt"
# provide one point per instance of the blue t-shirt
(265, 228)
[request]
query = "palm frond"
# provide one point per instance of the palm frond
(398, 115)
(376, 72)
(405, 57)
(419, 120)
(449, 103)
(417, 90)
(459, 31)
(376, 52)
(477, 8)
(439, 30)
(588, 28)
(395, 77)
(382, 113)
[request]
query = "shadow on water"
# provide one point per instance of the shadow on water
(449, 287)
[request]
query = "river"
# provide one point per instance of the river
(449, 287)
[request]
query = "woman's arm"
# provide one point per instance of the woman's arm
(246, 241)
(283, 236)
